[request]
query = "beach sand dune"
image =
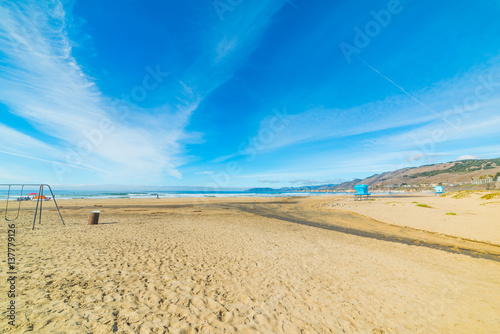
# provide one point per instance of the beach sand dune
(185, 266)
(470, 215)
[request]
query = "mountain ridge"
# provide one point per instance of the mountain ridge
(454, 174)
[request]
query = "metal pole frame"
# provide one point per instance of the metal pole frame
(40, 194)
(18, 207)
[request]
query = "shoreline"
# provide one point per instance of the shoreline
(216, 194)
(223, 194)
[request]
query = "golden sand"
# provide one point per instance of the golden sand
(250, 266)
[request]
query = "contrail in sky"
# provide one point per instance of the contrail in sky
(54, 162)
(291, 3)
(404, 91)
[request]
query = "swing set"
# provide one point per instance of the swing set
(39, 201)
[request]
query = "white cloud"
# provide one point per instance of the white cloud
(18, 142)
(470, 105)
(42, 83)
(468, 157)
(224, 47)
(321, 123)
(479, 124)
(270, 181)
(204, 173)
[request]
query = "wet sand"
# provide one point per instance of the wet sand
(253, 265)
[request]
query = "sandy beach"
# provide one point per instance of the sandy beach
(322, 264)
(464, 214)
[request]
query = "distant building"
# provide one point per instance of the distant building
(483, 181)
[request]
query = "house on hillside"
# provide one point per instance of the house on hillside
(483, 181)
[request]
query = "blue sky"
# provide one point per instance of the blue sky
(240, 94)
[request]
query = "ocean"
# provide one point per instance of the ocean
(73, 194)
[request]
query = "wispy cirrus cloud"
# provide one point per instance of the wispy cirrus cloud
(467, 107)
(42, 83)
(270, 181)
(229, 43)
(433, 140)
(16, 142)
(209, 172)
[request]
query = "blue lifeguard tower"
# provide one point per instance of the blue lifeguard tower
(361, 190)
(439, 190)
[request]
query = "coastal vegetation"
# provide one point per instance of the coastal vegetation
(462, 194)
(461, 167)
(491, 196)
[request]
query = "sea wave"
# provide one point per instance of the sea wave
(74, 194)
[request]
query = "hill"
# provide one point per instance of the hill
(463, 171)
(455, 175)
